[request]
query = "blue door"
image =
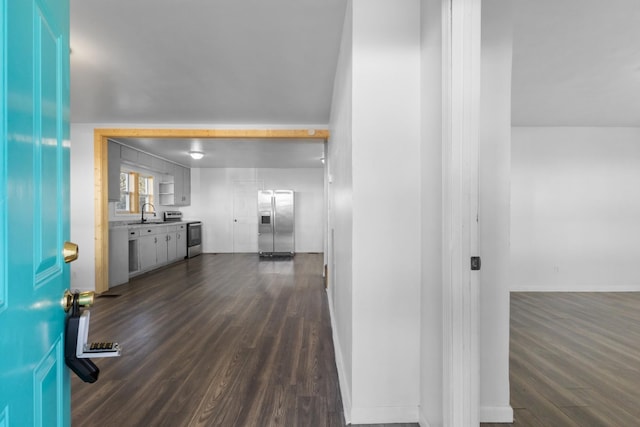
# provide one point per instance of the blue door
(34, 211)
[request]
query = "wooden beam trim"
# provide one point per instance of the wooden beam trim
(101, 204)
(217, 133)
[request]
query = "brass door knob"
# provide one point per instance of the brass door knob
(70, 252)
(85, 299)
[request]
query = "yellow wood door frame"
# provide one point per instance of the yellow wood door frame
(101, 168)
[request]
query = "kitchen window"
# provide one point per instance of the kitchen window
(136, 189)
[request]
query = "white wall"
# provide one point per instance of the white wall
(83, 276)
(494, 153)
(212, 203)
(385, 142)
(431, 366)
(575, 209)
(340, 215)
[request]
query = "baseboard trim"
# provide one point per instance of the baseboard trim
(545, 288)
(345, 391)
(496, 414)
(423, 421)
(385, 415)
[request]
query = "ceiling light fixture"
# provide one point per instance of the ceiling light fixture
(196, 155)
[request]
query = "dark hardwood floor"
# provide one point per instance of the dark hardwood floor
(228, 340)
(233, 340)
(575, 359)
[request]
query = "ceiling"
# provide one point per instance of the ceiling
(576, 63)
(230, 63)
(204, 61)
(253, 62)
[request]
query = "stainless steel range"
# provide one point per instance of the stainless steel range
(194, 239)
(194, 233)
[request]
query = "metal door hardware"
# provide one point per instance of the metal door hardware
(70, 252)
(76, 349)
(85, 299)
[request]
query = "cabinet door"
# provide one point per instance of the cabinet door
(178, 185)
(147, 252)
(145, 160)
(171, 246)
(158, 165)
(186, 193)
(181, 244)
(128, 155)
(161, 248)
(114, 172)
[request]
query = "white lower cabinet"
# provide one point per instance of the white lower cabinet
(153, 246)
(147, 252)
(171, 246)
(161, 249)
(181, 242)
(161, 245)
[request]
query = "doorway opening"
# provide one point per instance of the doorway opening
(101, 137)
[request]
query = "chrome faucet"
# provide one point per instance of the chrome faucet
(142, 220)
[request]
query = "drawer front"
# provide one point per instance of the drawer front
(133, 233)
(145, 231)
(151, 230)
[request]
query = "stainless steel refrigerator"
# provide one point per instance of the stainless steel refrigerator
(276, 222)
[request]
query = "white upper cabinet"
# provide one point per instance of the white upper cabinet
(129, 155)
(182, 185)
(174, 184)
(178, 185)
(159, 165)
(145, 160)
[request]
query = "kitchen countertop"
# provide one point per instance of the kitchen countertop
(138, 224)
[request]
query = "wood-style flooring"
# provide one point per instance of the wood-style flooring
(575, 359)
(216, 340)
(235, 340)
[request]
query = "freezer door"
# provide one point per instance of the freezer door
(283, 240)
(265, 222)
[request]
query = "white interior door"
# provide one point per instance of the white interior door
(245, 216)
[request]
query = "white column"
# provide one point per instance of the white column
(461, 98)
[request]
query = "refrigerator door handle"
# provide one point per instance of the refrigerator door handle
(273, 214)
